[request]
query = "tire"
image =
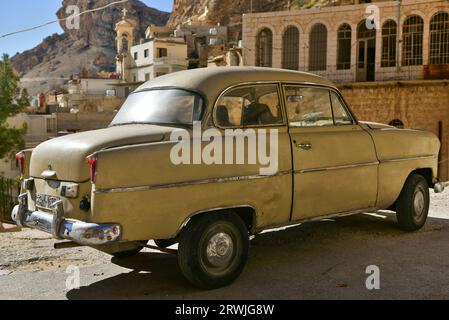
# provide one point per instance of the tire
(412, 207)
(164, 243)
(206, 234)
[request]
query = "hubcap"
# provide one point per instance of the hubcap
(220, 250)
(419, 203)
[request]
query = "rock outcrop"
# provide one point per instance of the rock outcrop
(92, 46)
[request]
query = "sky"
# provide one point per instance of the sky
(20, 14)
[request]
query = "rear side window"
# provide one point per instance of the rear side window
(257, 105)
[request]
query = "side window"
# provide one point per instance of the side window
(341, 116)
(308, 107)
(257, 105)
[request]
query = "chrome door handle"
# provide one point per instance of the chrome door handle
(304, 146)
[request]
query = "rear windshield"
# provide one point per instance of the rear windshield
(161, 106)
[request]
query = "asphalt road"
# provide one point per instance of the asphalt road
(321, 260)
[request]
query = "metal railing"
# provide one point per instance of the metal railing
(9, 190)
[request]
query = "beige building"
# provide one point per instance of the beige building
(348, 42)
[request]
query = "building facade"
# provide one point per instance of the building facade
(349, 42)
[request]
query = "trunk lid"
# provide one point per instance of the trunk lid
(66, 156)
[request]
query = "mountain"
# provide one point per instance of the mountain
(92, 46)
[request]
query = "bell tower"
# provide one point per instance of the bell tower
(124, 40)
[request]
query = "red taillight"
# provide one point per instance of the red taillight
(92, 162)
(20, 157)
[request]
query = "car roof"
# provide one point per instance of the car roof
(211, 82)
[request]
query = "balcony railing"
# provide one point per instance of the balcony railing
(170, 61)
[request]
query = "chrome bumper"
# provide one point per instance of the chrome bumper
(89, 234)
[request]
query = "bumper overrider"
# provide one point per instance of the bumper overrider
(89, 234)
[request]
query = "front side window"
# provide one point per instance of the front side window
(161, 107)
(249, 106)
(315, 107)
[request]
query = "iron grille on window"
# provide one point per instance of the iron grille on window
(290, 49)
(389, 36)
(413, 41)
(439, 39)
(264, 53)
(318, 48)
(344, 47)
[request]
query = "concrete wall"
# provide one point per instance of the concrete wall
(83, 121)
(418, 104)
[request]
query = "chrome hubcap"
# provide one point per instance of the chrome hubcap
(419, 202)
(220, 249)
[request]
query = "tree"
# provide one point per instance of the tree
(13, 100)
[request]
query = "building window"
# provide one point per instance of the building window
(344, 47)
(147, 76)
(125, 44)
(318, 48)
(389, 37)
(413, 41)
(146, 53)
(397, 123)
(264, 51)
(136, 55)
(162, 52)
(290, 49)
(439, 39)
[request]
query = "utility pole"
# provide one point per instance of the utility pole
(251, 8)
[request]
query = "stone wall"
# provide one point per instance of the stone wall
(418, 104)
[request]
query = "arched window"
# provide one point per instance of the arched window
(439, 38)
(290, 49)
(344, 47)
(412, 46)
(397, 123)
(318, 48)
(264, 54)
(125, 43)
(389, 37)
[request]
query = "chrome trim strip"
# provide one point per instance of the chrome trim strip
(408, 159)
(349, 166)
(189, 183)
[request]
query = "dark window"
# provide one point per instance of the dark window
(146, 53)
(264, 48)
(136, 55)
(439, 39)
(344, 47)
(389, 37)
(318, 48)
(290, 49)
(397, 123)
(412, 41)
(162, 52)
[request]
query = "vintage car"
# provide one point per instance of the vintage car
(177, 165)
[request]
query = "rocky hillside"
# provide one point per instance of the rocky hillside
(92, 46)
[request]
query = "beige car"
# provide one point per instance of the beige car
(149, 177)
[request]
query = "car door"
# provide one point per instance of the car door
(335, 166)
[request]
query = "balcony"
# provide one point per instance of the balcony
(169, 61)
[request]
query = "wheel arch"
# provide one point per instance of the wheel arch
(246, 212)
(427, 173)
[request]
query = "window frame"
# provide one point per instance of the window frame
(282, 108)
(345, 106)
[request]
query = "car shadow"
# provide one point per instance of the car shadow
(302, 261)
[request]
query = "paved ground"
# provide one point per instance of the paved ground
(322, 260)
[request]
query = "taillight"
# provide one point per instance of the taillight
(20, 157)
(92, 162)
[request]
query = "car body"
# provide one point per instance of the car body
(131, 191)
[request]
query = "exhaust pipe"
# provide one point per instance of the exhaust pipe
(440, 186)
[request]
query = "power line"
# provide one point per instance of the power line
(63, 19)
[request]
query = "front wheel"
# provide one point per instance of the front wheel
(213, 250)
(413, 203)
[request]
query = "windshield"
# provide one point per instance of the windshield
(161, 106)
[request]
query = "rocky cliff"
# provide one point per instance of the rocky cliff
(92, 46)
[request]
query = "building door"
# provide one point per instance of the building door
(366, 57)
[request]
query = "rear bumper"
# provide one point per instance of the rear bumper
(89, 234)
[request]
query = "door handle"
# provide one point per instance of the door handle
(304, 146)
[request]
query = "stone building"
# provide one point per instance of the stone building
(390, 58)
(380, 40)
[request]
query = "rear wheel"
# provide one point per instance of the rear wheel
(213, 250)
(412, 207)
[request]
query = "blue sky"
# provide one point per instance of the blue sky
(20, 14)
